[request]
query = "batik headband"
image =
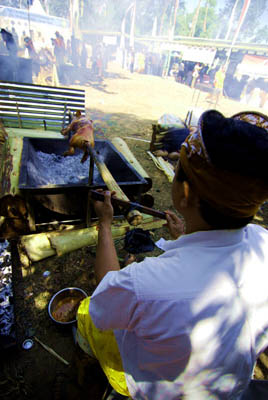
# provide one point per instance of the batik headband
(230, 193)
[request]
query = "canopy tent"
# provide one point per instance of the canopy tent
(203, 55)
(254, 66)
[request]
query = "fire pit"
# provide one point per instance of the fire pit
(60, 184)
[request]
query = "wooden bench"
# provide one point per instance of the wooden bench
(33, 106)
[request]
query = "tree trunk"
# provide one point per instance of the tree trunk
(195, 19)
(175, 17)
(163, 17)
(205, 19)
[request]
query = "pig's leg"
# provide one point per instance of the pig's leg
(85, 156)
(69, 152)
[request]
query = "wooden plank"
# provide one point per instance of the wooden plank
(31, 111)
(37, 106)
(47, 96)
(37, 100)
(40, 89)
(25, 125)
(31, 106)
(33, 87)
(34, 133)
(23, 115)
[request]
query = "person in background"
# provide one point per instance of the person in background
(132, 60)
(180, 77)
(69, 51)
(218, 85)
(15, 36)
(32, 54)
(12, 49)
(196, 71)
(60, 45)
(190, 323)
(9, 42)
(83, 56)
(3, 48)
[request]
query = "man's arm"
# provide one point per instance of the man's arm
(106, 257)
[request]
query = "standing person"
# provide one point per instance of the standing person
(59, 42)
(9, 42)
(132, 60)
(12, 63)
(181, 72)
(15, 36)
(83, 56)
(33, 55)
(218, 85)
(190, 323)
(69, 51)
(196, 70)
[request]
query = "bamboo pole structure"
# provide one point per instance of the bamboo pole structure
(39, 246)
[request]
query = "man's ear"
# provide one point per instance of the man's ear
(189, 197)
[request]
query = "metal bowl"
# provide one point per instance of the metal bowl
(67, 292)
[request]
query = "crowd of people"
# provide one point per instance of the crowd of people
(49, 60)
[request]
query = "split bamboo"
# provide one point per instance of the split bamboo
(42, 245)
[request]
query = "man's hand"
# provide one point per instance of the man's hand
(175, 225)
(104, 209)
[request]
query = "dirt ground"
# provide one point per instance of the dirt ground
(124, 105)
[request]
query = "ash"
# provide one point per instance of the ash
(6, 294)
(55, 169)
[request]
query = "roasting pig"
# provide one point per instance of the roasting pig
(83, 135)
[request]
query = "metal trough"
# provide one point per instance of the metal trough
(61, 185)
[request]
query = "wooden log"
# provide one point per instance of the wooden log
(42, 245)
(129, 204)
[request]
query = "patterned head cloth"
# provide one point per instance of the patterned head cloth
(233, 194)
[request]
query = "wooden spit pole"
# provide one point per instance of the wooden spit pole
(95, 195)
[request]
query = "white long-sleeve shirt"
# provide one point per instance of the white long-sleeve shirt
(192, 321)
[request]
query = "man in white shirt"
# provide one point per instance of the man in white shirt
(191, 323)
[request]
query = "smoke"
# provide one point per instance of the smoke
(135, 35)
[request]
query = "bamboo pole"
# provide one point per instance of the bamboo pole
(42, 245)
(106, 175)
(10, 169)
(121, 146)
(51, 351)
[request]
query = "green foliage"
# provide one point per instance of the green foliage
(108, 15)
(250, 27)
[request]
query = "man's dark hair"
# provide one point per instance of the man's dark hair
(235, 145)
(213, 217)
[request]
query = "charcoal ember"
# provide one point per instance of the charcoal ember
(54, 169)
(7, 328)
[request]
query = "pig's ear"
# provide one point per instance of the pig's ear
(78, 114)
